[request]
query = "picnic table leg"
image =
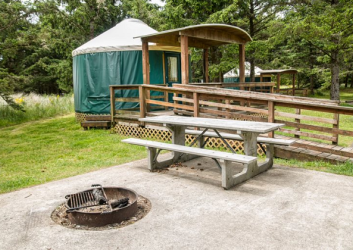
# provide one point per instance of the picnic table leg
(229, 179)
(250, 143)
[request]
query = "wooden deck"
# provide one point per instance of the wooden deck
(321, 123)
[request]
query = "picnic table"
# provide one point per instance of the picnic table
(247, 130)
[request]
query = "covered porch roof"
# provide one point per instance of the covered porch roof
(199, 36)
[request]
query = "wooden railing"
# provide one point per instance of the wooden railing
(129, 112)
(303, 117)
(251, 86)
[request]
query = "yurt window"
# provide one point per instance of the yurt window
(173, 69)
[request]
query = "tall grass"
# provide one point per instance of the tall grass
(36, 107)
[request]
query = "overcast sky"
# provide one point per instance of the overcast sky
(159, 2)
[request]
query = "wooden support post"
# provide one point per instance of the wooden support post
(242, 64)
(294, 85)
(298, 112)
(142, 97)
(184, 43)
(205, 65)
(166, 96)
(278, 82)
(196, 104)
(337, 118)
(112, 104)
(271, 116)
(227, 109)
(145, 63)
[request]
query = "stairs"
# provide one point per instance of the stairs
(311, 151)
(96, 121)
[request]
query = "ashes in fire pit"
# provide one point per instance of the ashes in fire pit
(98, 206)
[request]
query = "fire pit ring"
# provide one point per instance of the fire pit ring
(85, 199)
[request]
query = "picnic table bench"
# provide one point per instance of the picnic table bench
(247, 131)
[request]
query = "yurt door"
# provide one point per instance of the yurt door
(172, 70)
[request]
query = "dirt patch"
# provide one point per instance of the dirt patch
(60, 217)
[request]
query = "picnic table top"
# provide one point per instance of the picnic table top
(245, 126)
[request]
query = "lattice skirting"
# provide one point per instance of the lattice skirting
(165, 135)
(81, 117)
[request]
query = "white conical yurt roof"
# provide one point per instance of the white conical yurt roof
(121, 38)
(235, 72)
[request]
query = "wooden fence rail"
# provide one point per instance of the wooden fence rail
(246, 105)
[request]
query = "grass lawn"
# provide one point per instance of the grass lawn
(37, 152)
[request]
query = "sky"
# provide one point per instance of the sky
(159, 2)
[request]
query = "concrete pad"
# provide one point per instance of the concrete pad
(283, 208)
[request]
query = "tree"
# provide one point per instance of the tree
(328, 27)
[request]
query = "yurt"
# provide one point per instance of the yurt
(115, 58)
(233, 75)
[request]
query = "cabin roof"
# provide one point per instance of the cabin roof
(200, 36)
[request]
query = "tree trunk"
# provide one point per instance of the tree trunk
(251, 59)
(346, 82)
(335, 70)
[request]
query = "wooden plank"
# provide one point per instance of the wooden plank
(123, 87)
(301, 133)
(127, 99)
(306, 117)
(232, 115)
(213, 35)
(98, 118)
(145, 62)
(316, 128)
(184, 59)
(226, 106)
(193, 151)
(168, 104)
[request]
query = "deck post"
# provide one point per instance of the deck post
(145, 63)
(271, 116)
(112, 103)
(336, 117)
(184, 43)
(278, 82)
(205, 65)
(142, 97)
(196, 104)
(242, 64)
(294, 84)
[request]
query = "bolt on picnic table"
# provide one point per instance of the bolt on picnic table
(248, 131)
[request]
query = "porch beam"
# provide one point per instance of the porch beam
(213, 35)
(145, 63)
(241, 62)
(205, 65)
(184, 59)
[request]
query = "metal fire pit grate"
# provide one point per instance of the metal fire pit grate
(118, 204)
(89, 198)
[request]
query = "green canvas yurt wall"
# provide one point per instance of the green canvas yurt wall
(114, 58)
